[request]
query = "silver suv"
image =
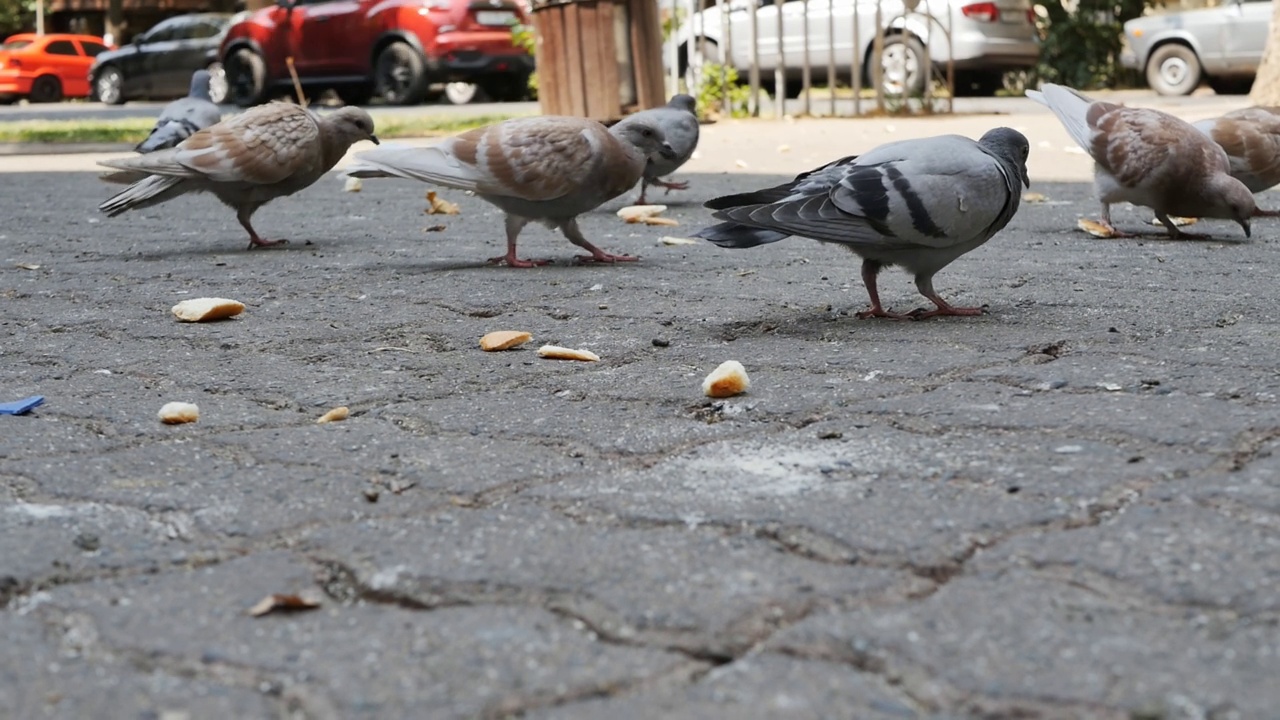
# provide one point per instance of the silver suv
(988, 38)
(1179, 49)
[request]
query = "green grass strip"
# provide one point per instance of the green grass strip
(133, 130)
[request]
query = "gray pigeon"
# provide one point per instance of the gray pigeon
(1150, 158)
(266, 152)
(679, 122)
(183, 117)
(919, 204)
(548, 169)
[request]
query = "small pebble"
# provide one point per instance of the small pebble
(1068, 449)
(830, 435)
(87, 542)
(661, 342)
(371, 494)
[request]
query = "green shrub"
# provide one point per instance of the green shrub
(1081, 49)
(712, 98)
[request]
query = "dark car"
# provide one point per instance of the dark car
(158, 63)
(394, 50)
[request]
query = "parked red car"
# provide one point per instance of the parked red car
(47, 68)
(388, 49)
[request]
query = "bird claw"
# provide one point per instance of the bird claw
(256, 241)
(515, 262)
(669, 186)
(879, 312)
(604, 257)
(922, 314)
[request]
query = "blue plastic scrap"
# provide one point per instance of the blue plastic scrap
(18, 407)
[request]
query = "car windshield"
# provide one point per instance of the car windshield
(15, 45)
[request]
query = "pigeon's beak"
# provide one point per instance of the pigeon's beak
(1026, 179)
(1247, 229)
(374, 139)
(667, 151)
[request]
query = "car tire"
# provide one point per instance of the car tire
(708, 53)
(400, 76)
(1173, 69)
(218, 87)
(904, 50)
(460, 93)
(45, 89)
(108, 86)
(246, 78)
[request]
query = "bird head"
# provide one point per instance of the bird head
(1010, 146)
(353, 124)
(684, 102)
(647, 137)
(1233, 201)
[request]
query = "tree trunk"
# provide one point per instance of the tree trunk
(1266, 88)
(115, 21)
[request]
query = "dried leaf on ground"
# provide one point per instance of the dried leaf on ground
(283, 603)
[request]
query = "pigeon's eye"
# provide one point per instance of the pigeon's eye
(646, 132)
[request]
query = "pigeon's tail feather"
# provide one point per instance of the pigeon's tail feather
(123, 177)
(144, 193)
(164, 135)
(1072, 109)
(736, 235)
(429, 164)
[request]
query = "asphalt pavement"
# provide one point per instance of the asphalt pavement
(1068, 507)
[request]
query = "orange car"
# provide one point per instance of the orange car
(46, 68)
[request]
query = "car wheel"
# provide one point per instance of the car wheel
(460, 93)
(218, 88)
(45, 89)
(246, 78)
(902, 70)
(1173, 70)
(400, 76)
(109, 86)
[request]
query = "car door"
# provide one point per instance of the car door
(65, 60)
(154, 76)
(191, 44)
(322, 31)
(1247, 24)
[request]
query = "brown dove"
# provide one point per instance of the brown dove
(1150, 158)
(247, 161)
(548, 169)
(1251, 139)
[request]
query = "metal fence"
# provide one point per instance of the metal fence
(820, 50)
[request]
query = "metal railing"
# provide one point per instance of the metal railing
(780, 43)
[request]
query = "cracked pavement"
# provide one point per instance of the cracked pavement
(1066, 508)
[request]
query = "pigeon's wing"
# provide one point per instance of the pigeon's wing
(261, 146)
(1140, 146)
(931, 193)
(1251, 139)
(534, 159)
(818, 180)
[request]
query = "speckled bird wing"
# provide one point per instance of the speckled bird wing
(1251, 139)
(261, 146)
(544, 158)
(1139, 146)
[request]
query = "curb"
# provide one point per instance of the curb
(62, 148)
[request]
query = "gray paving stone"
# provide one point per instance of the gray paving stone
(1026, 642)
(374, 660)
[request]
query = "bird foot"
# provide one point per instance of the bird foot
(601, 256)
(878, 312)
(255, 241)
(669, 186)
(512, 261)
(922, 314)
